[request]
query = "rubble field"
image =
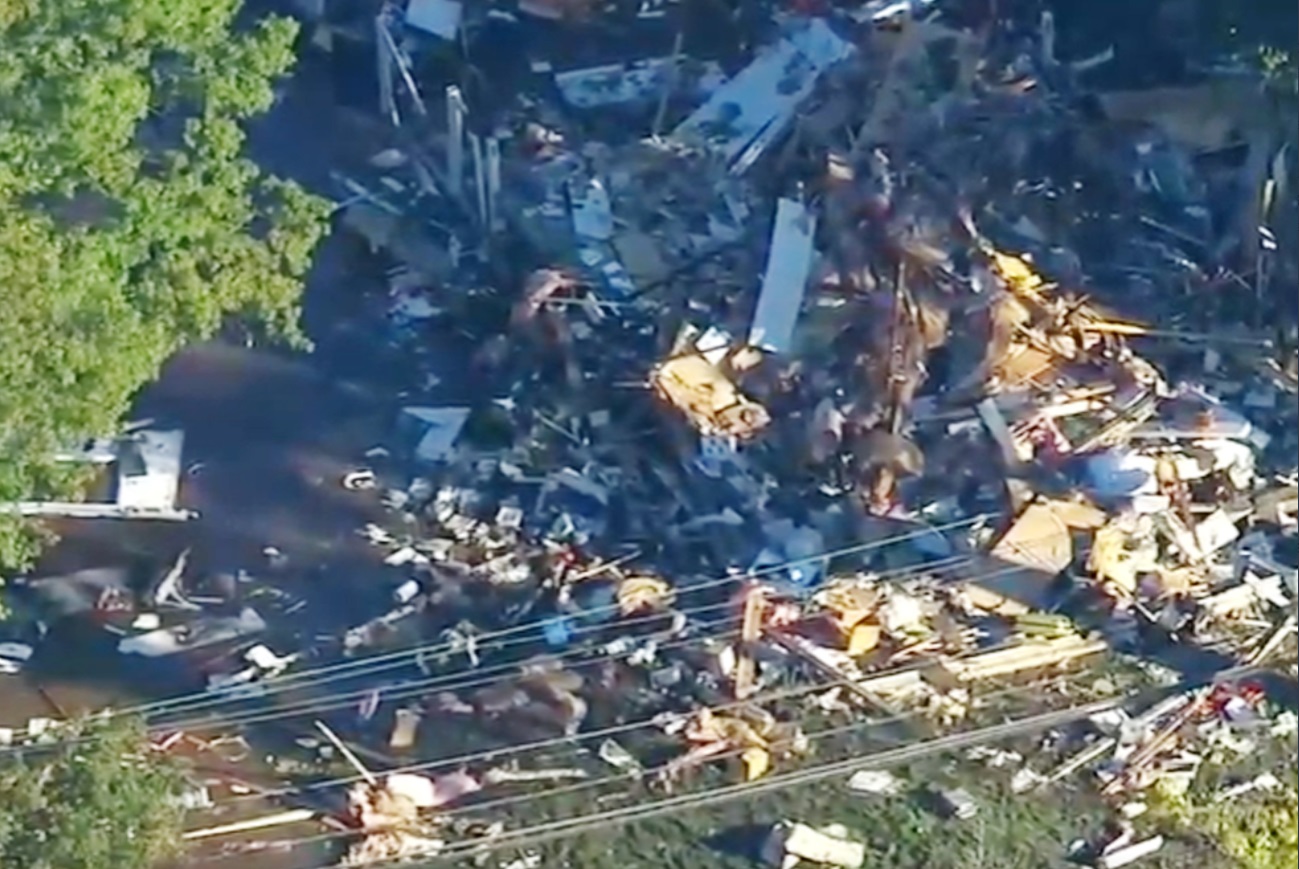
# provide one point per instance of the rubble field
(881, 449)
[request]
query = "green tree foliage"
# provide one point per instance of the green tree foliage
(105, 803)
(1257, 830)
(130, 221)
(1260, 835)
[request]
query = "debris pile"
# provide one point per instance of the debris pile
(917, 359)
(389, 815)
(893, 362)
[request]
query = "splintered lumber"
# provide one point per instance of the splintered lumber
(750, 633)
(279, 819)
(1016, 659)
(868, 688)
(347, 753)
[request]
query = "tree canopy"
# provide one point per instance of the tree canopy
(131, 222)
(103, 802)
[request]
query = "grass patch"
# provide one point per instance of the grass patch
(1010, 832)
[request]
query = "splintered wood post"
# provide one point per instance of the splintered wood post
(601, 566)
(347, 753)
(456, 111)
(479, 156)
(842, 680)
(750, 633)
(396, 59)
(383, 71)
(669, 84)
(494, 222)
(883, 481)
(896, 374)
(290, 816)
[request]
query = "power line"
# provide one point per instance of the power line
(446, 681)
(540, 833)
(477, 676)
(812, 737)
(399, 658)
(401, 655)
(772, 696)
(824, 733)
(537, 745)
(548, 831)
(419, 687)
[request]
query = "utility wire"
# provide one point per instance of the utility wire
(548, 831)
(588, 784)
(824, 733)
(276, 685)
(401, 658)
(447, 682)
(453, 680)
(417, 688)
(770, 696)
